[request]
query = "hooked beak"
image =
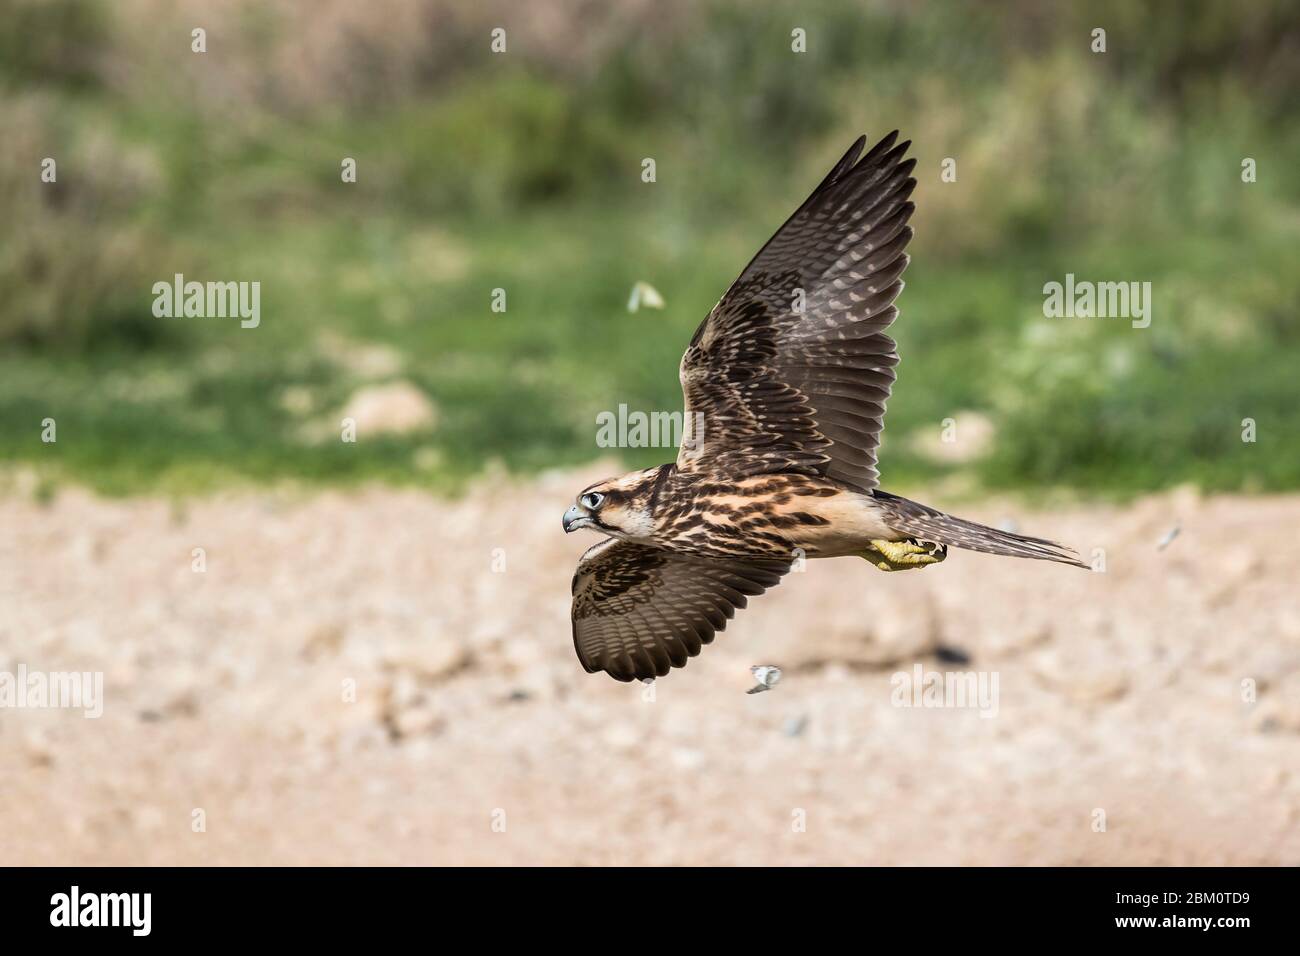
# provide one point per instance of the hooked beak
(574, 519)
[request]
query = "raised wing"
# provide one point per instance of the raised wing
(640, 611)
(792, 369)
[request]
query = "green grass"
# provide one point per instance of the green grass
(524, 387)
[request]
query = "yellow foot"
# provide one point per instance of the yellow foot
(904, 555)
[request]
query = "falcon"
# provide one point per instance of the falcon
(785, 385)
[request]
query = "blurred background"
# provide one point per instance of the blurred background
(376, 562)
(521, 171)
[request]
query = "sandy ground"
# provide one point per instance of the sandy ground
(1121, 733)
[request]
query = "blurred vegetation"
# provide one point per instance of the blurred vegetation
(522, 171)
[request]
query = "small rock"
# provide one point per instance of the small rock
(966, 438)
(297, 400)
(687, 758)
(372, 360)
(38, 749)
(395, 408)
(1079, 679)
(417, 721)
(795, 726)
(430, 657)
(324, 640)
(948, 654)
(621, 737)
(1278, 710)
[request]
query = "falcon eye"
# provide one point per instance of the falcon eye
(592, 500)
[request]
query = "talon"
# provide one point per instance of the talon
(904, 555)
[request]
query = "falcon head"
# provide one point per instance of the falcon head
(618, 507)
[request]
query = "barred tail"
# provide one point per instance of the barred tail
(925, 523)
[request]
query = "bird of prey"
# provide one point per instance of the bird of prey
(785, 385)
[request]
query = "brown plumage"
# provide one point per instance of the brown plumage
(789, 375)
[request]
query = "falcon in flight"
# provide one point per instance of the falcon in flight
(785, 384)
